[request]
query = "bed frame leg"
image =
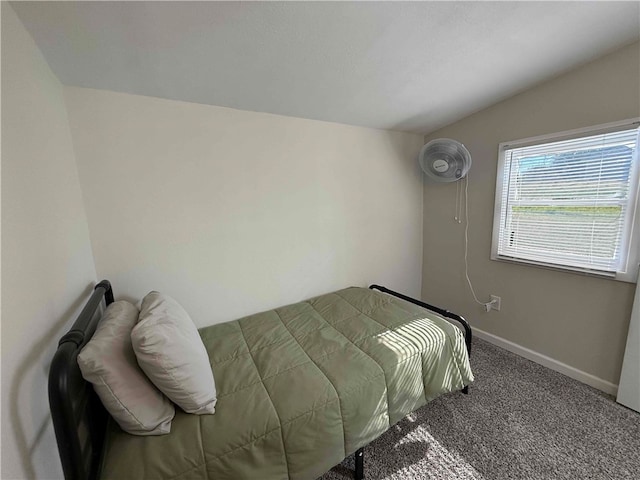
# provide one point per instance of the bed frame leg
(359, 457)
(465, 390)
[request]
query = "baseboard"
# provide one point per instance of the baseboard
(548, 362)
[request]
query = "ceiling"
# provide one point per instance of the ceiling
(413, 66)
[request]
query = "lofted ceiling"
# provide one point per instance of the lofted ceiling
(413, 66)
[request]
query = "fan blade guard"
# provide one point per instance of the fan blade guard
(444, 160)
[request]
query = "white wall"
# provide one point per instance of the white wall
(47, 264)
(577, 320)
(234, 212)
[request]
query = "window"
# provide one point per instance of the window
(569, 201)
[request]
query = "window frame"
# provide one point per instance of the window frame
(630, 243)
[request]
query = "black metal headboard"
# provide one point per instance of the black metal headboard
(79, 419)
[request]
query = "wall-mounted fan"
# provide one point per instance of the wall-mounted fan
(444, 160)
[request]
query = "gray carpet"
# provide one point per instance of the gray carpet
(520, 421)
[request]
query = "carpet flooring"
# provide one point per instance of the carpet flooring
(519, 421)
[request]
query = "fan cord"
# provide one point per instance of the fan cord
(466, 240)
(458, 214)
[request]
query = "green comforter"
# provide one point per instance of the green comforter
(300, 388)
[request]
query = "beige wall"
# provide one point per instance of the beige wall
(47, 265)
(234, 212)
(578, 320)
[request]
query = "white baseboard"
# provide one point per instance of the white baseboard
(548, 362)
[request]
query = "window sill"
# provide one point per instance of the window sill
(627, 277)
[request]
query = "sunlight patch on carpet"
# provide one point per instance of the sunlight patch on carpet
(435, 461)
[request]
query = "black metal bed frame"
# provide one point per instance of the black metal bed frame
(80, 419)
(468, 335)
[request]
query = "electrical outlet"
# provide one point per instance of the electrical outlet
(495, 302)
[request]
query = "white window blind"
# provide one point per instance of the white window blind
(568, 203)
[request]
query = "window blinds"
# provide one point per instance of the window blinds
(570, 203)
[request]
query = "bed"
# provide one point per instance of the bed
(299, 389)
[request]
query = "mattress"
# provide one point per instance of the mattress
(300, 388)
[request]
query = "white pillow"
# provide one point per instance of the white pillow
(170, 351)
(109, 363)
